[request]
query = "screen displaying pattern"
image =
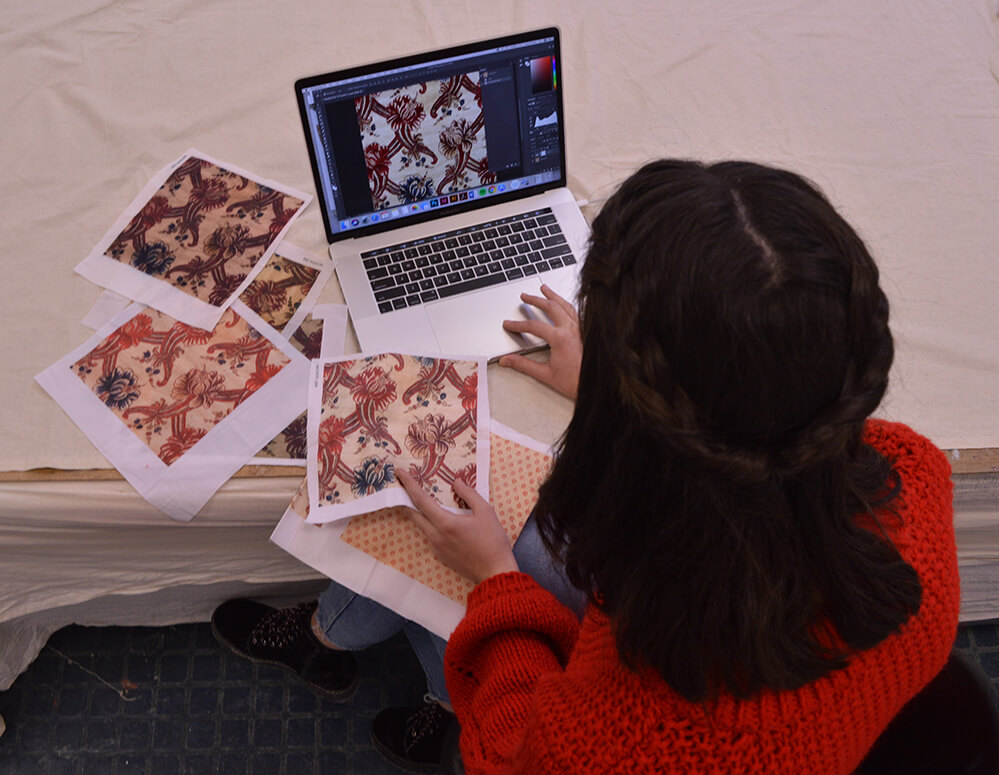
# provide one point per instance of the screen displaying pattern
(171, 383)
(204, 230)
(424, 140)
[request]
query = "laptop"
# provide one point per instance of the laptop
(442, 183)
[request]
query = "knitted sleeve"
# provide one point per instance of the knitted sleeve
(513, 633)
(926, 540)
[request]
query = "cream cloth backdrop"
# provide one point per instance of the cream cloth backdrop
(892, 107)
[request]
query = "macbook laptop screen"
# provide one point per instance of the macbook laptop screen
(431, 135)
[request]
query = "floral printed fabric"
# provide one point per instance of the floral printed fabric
(389, 535)
(424, 140)
(308, 337)
(170, 383)
(291, 443)
(321, 334)
(278, 291)
(204, 230)
(370, 415)
(286, 289)
(193, 238)
(178, 409)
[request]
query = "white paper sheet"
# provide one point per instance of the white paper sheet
(150, 289)
(321, 547)
(415, 424)
(334, 318)
(183, 486)
(108, 305)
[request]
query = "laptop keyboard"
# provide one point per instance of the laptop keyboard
(466, 259)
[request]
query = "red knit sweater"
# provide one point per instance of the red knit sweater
(536, 691)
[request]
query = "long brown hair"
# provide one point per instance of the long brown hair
(706, 492)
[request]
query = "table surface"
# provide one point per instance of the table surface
(892, 112)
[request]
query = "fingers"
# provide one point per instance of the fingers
(552, 309)
(535, 327)
(424, 525)
(476, 545)
(558, 310)
(539, 371)
(431, 511)
(566, 305)
(424, 516)
(470, 495)
(427, 507)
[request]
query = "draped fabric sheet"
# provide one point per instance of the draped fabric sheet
(890, 110)
(95, 553)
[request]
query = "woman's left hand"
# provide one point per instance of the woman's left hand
(475, 545)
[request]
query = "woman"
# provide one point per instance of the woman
(770, 574)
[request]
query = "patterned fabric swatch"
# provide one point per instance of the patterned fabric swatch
(389, 535)
(423, 140)
(289, 444)
(308, 337)
(292, 442)
(278, 290)
(392, 410)
(204, 230)
(171, 383)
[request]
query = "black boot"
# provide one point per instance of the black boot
(284, 637)
(414, 738)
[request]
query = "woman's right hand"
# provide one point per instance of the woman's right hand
(561, 370)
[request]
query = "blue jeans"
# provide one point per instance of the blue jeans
(353, 622)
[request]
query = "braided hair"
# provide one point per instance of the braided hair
(706, 492)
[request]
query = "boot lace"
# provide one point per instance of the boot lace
(426, 722)
(279, 628)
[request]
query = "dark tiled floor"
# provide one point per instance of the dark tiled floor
(161, 701)
(175, 702)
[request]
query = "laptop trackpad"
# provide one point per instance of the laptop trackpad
(407, 331)
(473, 325)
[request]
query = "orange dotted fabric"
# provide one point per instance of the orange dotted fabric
(388, 535)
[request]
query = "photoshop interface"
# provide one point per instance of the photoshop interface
(381, 156)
